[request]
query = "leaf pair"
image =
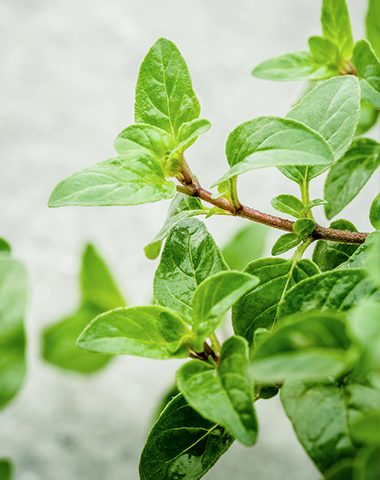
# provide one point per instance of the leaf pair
(99, 293)
(318, 131)
(166, 113)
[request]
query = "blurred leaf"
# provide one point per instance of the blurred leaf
(368, 117)
(6, 470)
(5, 248)
(373, 25)
(182, 444)
(374, 213)
(368, 67)
(336, 26)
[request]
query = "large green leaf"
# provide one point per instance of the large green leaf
(373, 25)
(144, 137)
(312, 347)
(334, 290)
(292, 66)
(13, 293)
(332, 109)
(182, 444)
(215, 296)
(336, 26)
(223, 395)
(329, 255)
(258, 309)
(128, 179)
(246, 245)
(349, 174)
(99, 293)
(164, 92)
(190, 256)
(323, 416)
(6, 470)
(274, 142)
(152, 331)
(368, 67)
(181, 207)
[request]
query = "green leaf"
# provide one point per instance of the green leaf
(144, 137)
(99, 293)
(190, 256)
(368, 117)
(246, 245)
(99, 290)
(189, 132)
(181, 207)
(5, 248)
(291, 66)
(274, 142)
(374, 214)
(336, 26)
(329, 255)
(303, 227)
(312, 347)
(337, 290)
(164, 92)
(343, 470)
(324, 52)
(152, 331)
(332, 109)
(223, 395)
(372, 258)
(168, 396)
(319, 417)
(368, 465)
(126, 180)
(368, 67)
(13, 293)
(367, 429)
(258, 308)
(288, 204)
(373, 25)
(324, 415)
(284, 243)
(6, 470)
(349, 174)
(359, 258)
(215, 296)
(182, 444)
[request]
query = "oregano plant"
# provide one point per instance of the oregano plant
(305, 325)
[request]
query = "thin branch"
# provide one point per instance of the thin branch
(190, 186)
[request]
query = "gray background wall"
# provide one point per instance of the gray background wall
(66, 89)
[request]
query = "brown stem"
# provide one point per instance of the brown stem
(192, 188)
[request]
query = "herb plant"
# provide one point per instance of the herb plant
(307, 328)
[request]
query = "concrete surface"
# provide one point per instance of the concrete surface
(68, 70)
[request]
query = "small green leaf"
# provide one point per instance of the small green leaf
(144, 137)
(13, 293)
(337, 290)
(291, 66)
(126, 180)
(99, 290)
(288, 204)
(368, 68)
(312, 346)
(152, 331)
(303, 227)
(284, 243)
(258, 308)
(348, 175)
(181, 207)
(368, 117)
(332, 109)
(315, 203)
(324, 52)
(5, 247)
(182, 444)
(164, 92)
(189, 132)
(374, 214)
(223, 395)
(336, 26)
(190, 256)
(329, 255)
(274, 142)
(373, 25)
(6, 469)
(215, 296)
(246, 245)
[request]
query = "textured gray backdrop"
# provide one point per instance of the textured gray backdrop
(68, 70)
